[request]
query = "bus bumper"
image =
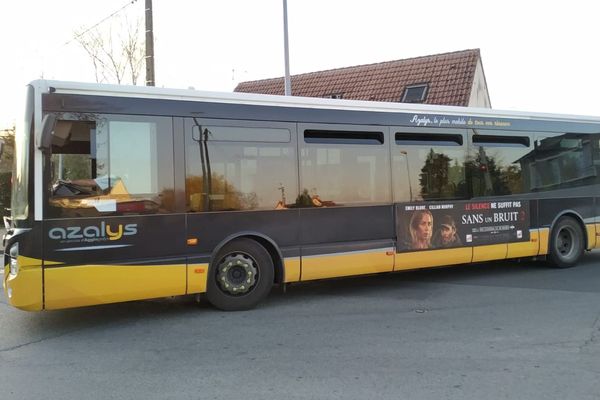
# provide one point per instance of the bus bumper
(24, 289)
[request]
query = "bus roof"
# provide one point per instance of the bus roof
(150, 92)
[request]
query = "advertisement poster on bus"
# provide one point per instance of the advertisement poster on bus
(458, 224)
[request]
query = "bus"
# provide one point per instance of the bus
(124, 193)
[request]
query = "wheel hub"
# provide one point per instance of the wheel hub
(236, 274)
(565, 241)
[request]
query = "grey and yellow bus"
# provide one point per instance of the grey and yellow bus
(125, 193)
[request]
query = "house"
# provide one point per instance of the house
(455, 79)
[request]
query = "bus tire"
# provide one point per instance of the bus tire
(240, 276)
(566, 243)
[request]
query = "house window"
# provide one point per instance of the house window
(415, 93)
(334, 96)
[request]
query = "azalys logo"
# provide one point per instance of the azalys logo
(93, 233)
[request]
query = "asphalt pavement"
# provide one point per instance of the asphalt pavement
(503, 330)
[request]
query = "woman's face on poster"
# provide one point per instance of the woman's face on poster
(424, 228)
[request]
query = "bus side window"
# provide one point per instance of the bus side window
(111, 166)
(71, 159)
(341, 167)
(562, 161)
(239, 166)
(429, 164)
(496, 163)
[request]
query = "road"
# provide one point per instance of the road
(503, 330)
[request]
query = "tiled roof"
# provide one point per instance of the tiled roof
(449, 77)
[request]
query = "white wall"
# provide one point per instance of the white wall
(479, 91)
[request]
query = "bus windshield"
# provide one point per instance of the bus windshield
(20, 182)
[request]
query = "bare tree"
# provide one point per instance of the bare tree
(133, 49)
(90, 43)
(116, 52)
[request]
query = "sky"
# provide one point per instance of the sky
(537, 55)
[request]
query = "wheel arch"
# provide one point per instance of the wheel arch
(577, 217)
(262, 239)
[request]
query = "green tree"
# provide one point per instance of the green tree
(74, 166)
(434, 175)
(226, 196)
(513, 179)
(487, 176)
(8, 138)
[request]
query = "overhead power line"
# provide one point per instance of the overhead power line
(77, 36)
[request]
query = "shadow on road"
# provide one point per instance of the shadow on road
(507, 273)
(528, 274)
(31, 327)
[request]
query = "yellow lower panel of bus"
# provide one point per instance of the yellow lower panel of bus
(346, 264)
(525, 249)
(196, 278)
(99, 284)
(591, 235)
(24, 290)
(597, 244)
(489, 252)
(291, 269)
(432, 258)
(544, 235)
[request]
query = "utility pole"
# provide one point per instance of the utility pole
(149, 45)
(288, 83)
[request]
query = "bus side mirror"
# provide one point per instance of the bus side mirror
(48, 124)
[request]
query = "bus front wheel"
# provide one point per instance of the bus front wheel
(240, 276)
(566, 243)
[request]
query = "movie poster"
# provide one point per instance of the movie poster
(467, 223)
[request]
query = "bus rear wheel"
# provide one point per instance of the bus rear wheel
(240, 276)
(566, 243)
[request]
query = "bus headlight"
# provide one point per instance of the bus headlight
(14, 259)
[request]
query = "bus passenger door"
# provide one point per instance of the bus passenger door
(431, 183)
(111, 233)
(498, 178)
(346, 213)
